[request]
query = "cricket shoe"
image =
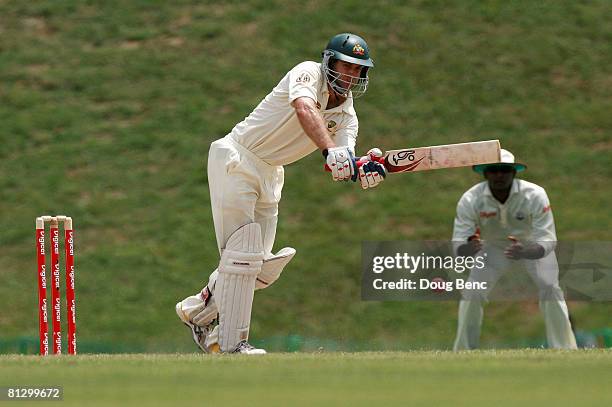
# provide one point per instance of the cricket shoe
(246, 348)
(200, 334)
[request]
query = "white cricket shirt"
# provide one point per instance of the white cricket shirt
(273, 132)
(526, 214)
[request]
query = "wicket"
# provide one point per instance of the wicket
(43, 313)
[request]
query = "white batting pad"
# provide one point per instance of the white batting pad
(195, 310)
(212, 340)
(190, 307)
(273, 267)
(240, 263)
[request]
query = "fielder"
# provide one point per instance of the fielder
(310, 108)
(517, 213)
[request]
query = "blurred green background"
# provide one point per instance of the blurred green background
(107, 110)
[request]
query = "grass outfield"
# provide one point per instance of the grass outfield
(518, 377)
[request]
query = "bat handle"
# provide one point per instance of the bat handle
(362, 161)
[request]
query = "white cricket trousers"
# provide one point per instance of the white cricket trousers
(243, 189)
(545, 274)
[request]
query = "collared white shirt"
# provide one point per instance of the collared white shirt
(526, 215)
(273, 132)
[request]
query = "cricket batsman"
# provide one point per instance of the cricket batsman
(511, 221)
(310, 108)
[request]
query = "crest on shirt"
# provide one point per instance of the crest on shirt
(358, 50)
(304, 77)
(520, 216)
(331, 124)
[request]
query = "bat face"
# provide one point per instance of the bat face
(402, 161)
(445, 156)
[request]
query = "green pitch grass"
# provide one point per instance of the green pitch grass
(519, 377)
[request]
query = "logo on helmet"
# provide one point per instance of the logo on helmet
(358, 50)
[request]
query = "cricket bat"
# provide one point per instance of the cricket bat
(435, 157)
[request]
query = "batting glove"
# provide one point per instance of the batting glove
(341, 162)
(372, 173)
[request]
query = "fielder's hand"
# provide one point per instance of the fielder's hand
(341, 162)
(372, 173)
(515, 250)
(473, 245)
